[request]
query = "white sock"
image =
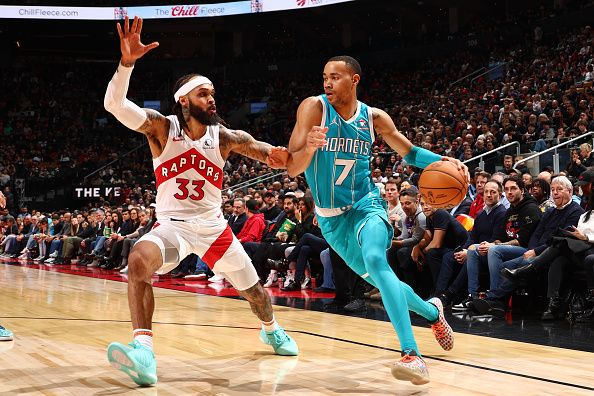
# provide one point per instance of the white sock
(144, 337)
(270, 326)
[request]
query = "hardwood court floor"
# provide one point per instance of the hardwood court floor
(209, 345)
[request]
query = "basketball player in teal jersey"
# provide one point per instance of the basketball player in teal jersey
(331, 143)
(5, 334)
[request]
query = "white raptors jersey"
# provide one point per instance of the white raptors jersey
(189, 175)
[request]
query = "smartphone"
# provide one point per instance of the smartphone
(458, 249)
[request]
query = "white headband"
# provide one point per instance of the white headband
(190, 85)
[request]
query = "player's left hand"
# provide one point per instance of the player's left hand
(461, 167)
(278, 158)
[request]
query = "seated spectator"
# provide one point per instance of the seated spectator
(87, 244)
(481, 178)
(11, 231)
(112, 226)
(462, 208)
(410, 232)
(254, 226)
(565, 215)
(55, 241)
(541, 192)
(308, 247)
(227, 209)
(15, 242)
(72, 243)
(116, 242)
(69, 230)
(508, 163)
(145, 225)
(273, 243)
(500, 177)
(238, 218)
(586, 155)
(444, 235)
(271, 210)
(520, 221)
(527, 178)
(327, 285)
(29, 239)
(488, 227)
(40, 237)
(395, 212)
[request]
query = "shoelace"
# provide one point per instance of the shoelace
(440, 330)
(280, 337)
(408, 359)
(135, 344)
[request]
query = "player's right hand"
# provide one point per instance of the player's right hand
(316, 138)
(130, 44)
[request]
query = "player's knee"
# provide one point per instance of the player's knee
(141, 264)
(374, 259)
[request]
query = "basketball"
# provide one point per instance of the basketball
(443, 185)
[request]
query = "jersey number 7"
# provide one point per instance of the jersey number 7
(348, 165)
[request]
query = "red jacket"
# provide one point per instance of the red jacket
(253, 229)
(476, 206)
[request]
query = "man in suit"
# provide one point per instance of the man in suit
(238, 218)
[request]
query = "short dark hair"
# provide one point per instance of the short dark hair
(252, 205)
(482, 173)
(351, 62)
(499, 185)
(544, 186)
(409, 192)
(519, 182)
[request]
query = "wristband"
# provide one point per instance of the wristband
(421, 158)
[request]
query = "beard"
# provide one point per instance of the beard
(203, 117)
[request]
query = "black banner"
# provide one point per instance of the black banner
(96, 192)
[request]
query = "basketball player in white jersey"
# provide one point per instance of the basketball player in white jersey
(189, 150)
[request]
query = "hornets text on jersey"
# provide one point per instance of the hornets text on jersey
(339, 173)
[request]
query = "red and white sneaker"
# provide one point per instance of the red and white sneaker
(441, 329)
(411, 368)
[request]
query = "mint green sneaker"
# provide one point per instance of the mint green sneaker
(135, 360)
(280, 341)
(5, 334)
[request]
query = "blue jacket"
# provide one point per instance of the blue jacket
(488, 227)
(551, 221)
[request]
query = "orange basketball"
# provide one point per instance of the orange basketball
(443, 185)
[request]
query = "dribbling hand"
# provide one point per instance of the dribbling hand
(316, 138)
(461, 167)
(130, 45)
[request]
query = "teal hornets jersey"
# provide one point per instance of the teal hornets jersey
(340, 172)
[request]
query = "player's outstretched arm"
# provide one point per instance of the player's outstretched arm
(307, 136)
(146, 121)
(413, 155)
(243, 143)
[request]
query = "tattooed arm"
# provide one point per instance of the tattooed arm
(156, 129)
(243, 143)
